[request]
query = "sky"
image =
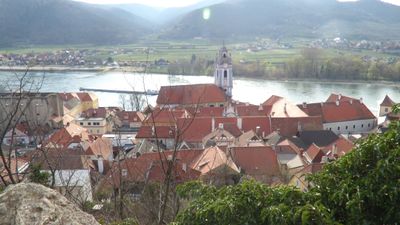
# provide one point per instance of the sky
(176, 3)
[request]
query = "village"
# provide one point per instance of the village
(199, 129)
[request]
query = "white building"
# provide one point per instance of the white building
(223, 75)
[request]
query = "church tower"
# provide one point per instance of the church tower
(223, 75)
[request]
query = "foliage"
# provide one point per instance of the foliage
(37, 176)
(250, 203)
(364, 186)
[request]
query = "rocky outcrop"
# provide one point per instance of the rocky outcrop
(34, 204)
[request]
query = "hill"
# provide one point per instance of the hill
(365, 19)
(162, 16)
(65, 22)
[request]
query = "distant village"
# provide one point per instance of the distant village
(201, 128)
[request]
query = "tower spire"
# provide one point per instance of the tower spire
(223, 75)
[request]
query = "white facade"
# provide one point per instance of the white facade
(351, 127)
(77, 182)
(223, 75)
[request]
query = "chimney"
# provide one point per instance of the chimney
(221, 126)
(184, 167)
(212, 124)
(240, 123)
(299, 127)
(361, 100)
(337, 103)
(334, 150)
(258, 130)
(351, 101)
(284, 108)
(260, 108)
(339, 97)
(324, 159)
(305, 105)
(169, 158)
(100, 164)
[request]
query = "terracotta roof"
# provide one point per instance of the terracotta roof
(256, 161)
(165, 116)
(156, 131)
(212, 159)
(206, 111)
(272, 100)
(344, 111)
(190, 94)
(16, 163)
(131, 116)
(100, 112)
(387, 101)
(233, 129)
(342, 146)
(85, 97)
(71, 133)
(63, 159)
(290, 126)
(253, 110)
(101, 147)
(251, 123)
(288, 146)
(67, 96)
(281, 107)
(194, 130)
(339, 97)
(314, 154)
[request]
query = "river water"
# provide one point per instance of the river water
(245, 89)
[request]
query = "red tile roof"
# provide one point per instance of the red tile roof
(69, 134)
(157, 131)
(314, 154)
(84, 97)
(206, 111)
(165, 116)
(344, 111)
(100, 112)
(387, 101)
(272, 100)
(253, 110)
(342, 145)
(190, 94)
(131, 116)
(251, 123)
(341, 98)
(255, 161)
(290, 126)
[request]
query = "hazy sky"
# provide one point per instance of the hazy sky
(176, 3)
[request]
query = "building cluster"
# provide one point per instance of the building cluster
(199, 130)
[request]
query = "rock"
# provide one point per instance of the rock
(34, 204)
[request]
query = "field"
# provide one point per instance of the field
(269, 52)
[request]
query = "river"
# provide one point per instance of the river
(245, 89)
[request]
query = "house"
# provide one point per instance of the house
(129, 121)
(70, 136)
(97, 121)
(88, 100)
(70, 170)
(386, 106)
(260, 163)
(299, 179)
(216, 167)
(18, 167)
(343, 117)
(19, 136)
(196, 95)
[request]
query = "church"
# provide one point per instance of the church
(218, 94)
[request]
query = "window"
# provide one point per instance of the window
(369, 125)
(89, 123)
(330, 128)
(347, 127)
(225, 74)
(81, 123)
(354, 126)
(386, 110)
(338, 128)
(362, 125)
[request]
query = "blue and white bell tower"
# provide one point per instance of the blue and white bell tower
(223, 75)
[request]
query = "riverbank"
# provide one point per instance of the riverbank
(53, 69)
